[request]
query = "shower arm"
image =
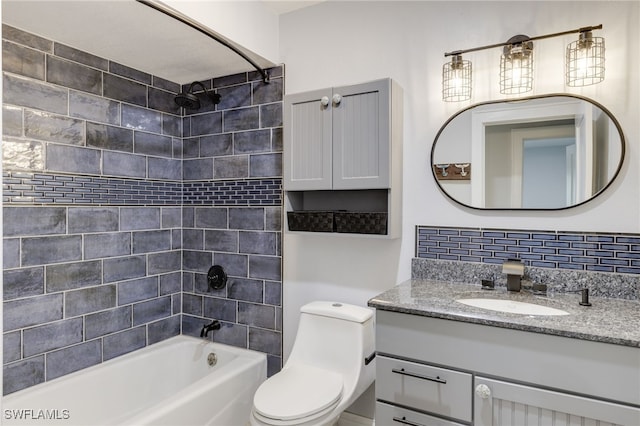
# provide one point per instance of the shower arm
(169, 11)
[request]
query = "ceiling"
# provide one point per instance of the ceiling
(163, 46)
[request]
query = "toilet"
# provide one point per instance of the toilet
(328, 368)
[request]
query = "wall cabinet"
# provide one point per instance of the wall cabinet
(342, 150)
(462, 373)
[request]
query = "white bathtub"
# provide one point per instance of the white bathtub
(168, 383)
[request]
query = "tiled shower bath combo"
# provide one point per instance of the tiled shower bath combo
(116, 203)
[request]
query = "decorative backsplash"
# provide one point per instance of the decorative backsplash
(579, 251)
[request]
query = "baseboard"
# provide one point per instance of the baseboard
(350, 419)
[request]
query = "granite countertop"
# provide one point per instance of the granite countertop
(614, 321)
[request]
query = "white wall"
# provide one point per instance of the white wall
(339, 42)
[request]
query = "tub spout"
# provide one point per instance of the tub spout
(215, 325)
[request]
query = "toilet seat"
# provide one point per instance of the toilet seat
(297, 393)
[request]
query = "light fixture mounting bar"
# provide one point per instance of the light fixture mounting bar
(491, 46)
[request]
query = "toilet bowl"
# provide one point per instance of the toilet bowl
(326, 370)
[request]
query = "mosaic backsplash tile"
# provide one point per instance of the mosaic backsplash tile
(597, 252)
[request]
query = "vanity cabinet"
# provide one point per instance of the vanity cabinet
(494, 376)
(342, 150)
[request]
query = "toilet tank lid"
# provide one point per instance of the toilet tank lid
(338, 310)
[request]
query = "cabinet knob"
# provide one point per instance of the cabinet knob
(324, 101)
(336, 99)
(483, 391)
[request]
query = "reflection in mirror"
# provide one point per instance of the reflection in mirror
(541, 153)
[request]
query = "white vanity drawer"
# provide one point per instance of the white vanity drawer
(426, 388)
(390, 415)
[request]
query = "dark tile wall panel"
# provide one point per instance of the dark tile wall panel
(580, 251)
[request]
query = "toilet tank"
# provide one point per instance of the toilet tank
(334, 336)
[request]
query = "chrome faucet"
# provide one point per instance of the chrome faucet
(514, 268)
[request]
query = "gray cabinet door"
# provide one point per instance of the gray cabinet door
(307, 141)
(499, 403)
(361, 135)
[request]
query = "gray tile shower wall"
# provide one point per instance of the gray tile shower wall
(111, 216)
(234, 219)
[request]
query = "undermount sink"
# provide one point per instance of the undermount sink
(512, 306)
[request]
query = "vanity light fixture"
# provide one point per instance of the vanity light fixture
(456, 80)
(584, 64)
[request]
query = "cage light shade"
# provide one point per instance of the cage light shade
(456, 80)
(516, 68)
(585, 60)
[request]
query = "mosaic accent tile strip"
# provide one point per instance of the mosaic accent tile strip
(43, 188)
(598, 252)
(255, 192)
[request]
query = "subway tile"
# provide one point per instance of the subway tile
(125, 90)
(48, 127)
(109, 137)
(231, 334)
(191, 148)
(107, 245)
(80, 56)
(201, 286)
(11, 120)
(74, 358)
(262, 165)
(121, 164)
(23, 374)
(265, 93)
(234, 264)
(32, 311)
(220, 309)
(67, 276)
(252, 141)
(163, 329)
(198, 169)
(171, 125)
(137, 290)
(196, 260)
(245, 290)
(124, 342)
(234, 96)
(151, 310)
(107, 322)
(170, 283)
(139, 218)
(251, 218)
(26, 38)
(130, 73)
(265, 341)
(205, 124)
(72, 159)
(192, 325)
(176, 303)
(93, 219)
(91, 299)
(277, 140)
(45, 250)
(10, 253)
(164, 168)
(161, 263)
(176, 239)
(273, 218)
(274, 364)
(22, 60)
(48, 337)
(229, 80)
(271, 115)
(221, 240)
(32, 94)
(171, 217)
(124, 268)
(26, 221)
(216, 145)
(232, 167)
(258, 242)
(11, 347)
(273, 292)
(22, 282)
(255, 315)
(73, 75)
(241, 119)
(265, 267)
(192, 304)
(167, 85)
(151, 241)
(153, 144)
(193, 239)
(162, 100)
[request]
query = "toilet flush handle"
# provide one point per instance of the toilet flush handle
(370, 358)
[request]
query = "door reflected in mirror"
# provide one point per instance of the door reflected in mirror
(539, 153)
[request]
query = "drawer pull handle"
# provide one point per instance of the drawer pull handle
(404, 421)
(419, 376)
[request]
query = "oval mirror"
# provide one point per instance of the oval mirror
(539, 153)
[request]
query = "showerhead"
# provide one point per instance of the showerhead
(190, 101)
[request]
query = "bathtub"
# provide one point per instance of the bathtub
(167, 383)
